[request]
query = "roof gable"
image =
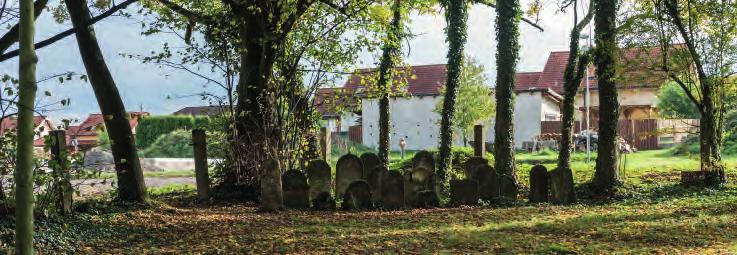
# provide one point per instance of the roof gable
(423, 80)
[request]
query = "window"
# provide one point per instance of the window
(551, 117)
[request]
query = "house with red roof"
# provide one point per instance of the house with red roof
(42, 128)
(84, 136)
(339, 109)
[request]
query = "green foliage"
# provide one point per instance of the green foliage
(151, 128)
(673, 103)
(475, 104)
(175, 144)
(103, 140)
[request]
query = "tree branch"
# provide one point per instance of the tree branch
(492, 5)
(11, 37)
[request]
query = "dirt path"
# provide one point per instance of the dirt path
(99, 186)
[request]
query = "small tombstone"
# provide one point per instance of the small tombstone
(423, 159)
(375, 180)
(392, 191)
(271, 192)
(508, 188)
(428, 199)
(370, 162)
(357, 196)
(417, 180)
(464, 192)
(479, 141)
(562, 190)
(323, 201)
(471, 165)
(295, 189)
(487, 180)
(319, 178)
(538, 184)
(348, 169)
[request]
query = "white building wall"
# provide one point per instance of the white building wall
(528, 111)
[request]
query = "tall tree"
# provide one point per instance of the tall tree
(572, 76)
(507, 34)
(456, 15)
(131, 186)
(390, 53)
(606, 176)
(24, 163)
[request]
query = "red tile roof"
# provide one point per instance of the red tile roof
(90, 125)
(423, 80)
(639, 69)
(10, 123)
(331, 101)
(210, 110)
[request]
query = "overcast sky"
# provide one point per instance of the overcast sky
(160, 90)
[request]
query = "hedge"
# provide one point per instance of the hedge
(150, 128)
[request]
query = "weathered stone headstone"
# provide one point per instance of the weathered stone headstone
(392, 191)
(415, 181)
(348, 169)
(295, 190)
(538, 184)
(375, 180)
(562, 190)
(472, 163)
(423, 159)
(319, 178)
(370, 162)
(357, 196)
(487, 180)
(323, 201)
(464, 192)
(479, 141)
(271, 190)
(508, 188)
(428, 199)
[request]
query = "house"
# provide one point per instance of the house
(339, 110)
(84, 136)
(42, 128)
(209, 110)
(539, 93)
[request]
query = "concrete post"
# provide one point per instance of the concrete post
(479, 141)
(325, 150)
(60, 167)
(199, 142)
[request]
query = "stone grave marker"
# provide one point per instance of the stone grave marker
(319, 178)
(357, 196)
(348, 169)
(562, 190)
(424, 159)
(415, 181)
(488, 181)
(295, 190)
(538, 184)
(370, 162)
(471, 164)
(271, 190)
(464, 192)
(508, 188)
(323, 201)
(392, 191)
(375, 180)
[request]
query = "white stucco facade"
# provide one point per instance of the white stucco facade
(531, 107)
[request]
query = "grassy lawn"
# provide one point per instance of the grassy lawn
(655, 215)
(160, 174)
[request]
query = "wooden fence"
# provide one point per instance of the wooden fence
(355, 134)
(642, 134)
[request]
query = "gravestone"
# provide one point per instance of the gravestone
(375, 180)
(423, 159)
(479, 141)
(323, 201)
(508, 188)
(392, 191)
(464, 192)
(271, 192)
(472, 163)
(348, 169)
(370, 162)
(415, 181)
(538, 184)
(488, 181)
(319, 178)
(428, 199)
(562, 190)
(295, 190)
(357, 196)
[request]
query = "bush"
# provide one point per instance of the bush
(151, 128)
(175, 144)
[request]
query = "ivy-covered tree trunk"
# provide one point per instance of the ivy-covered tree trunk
(606, 175)
(572, 76)
(24, 158)
(390, 51)
(456, 15)
(507, 34)
(131, 186)
(709, 138)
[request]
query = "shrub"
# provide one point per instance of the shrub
(103, 140)
(151, 128)
(175, 144)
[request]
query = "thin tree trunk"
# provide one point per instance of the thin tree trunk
(507, 33)
(456, 15)
(606, 176)
(390, 52)
(711, 158)
(24, 158)
(131, 186)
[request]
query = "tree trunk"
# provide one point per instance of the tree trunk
(711, 158)
(390, 50)
(507, 32)
(606, 176)
(456, 15)
(131, 186)
(24, 158)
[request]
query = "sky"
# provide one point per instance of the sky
(160, 90)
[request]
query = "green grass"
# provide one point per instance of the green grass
(159, 174)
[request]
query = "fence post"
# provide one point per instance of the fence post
(199, 142)
(325, 144)
(60, 168)
(479, 141)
